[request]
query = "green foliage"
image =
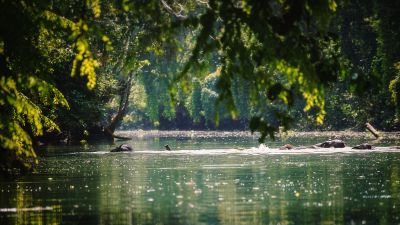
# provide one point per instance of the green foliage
(394, 88)
(31, 36)
(168, 110)
(194, 103)
(209, 97)
(241, 97)
(259, 39)
(21, 118)
(368, 36)
(152, 107)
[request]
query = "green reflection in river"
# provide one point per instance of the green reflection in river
(150, 188)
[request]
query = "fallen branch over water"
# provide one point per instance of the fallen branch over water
(111, 133)
(373, 130)
(120, 137)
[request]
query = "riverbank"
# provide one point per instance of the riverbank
(291, 134)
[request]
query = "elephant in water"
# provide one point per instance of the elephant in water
(331, 144)
(286, 147)
(123, 148)
(341, 144)
(328, 144)
(325, 144)
(364, 146)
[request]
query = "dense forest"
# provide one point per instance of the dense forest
(79, 70)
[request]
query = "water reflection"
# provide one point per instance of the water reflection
(18, 206)
(239, 188)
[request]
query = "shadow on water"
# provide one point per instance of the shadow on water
(207, 180)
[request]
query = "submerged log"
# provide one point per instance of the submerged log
(372, 130)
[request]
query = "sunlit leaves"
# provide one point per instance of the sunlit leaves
(95, 6)
(20, 115)
(34, 41)
(332, 5)
(84, 58)
(84, 62)
(107, 42)
(58, 19)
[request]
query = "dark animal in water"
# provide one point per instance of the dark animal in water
(123, 148)
(167, 147)
(363, 146)
(331, 144)
(328, 144)
(286, 147)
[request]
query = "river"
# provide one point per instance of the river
(209, 178)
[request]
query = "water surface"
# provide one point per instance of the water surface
(211, 179)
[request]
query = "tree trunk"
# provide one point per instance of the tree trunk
(123, 106)
(124, 94)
